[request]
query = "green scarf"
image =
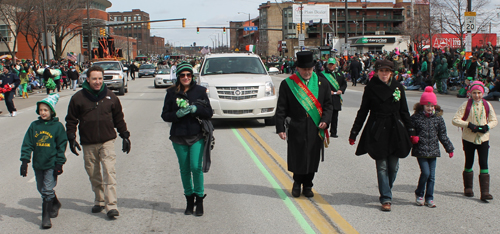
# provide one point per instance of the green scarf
(86, 86)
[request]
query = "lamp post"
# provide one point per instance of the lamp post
(249, 39)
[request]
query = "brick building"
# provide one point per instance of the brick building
(140, 31)
(156, 45)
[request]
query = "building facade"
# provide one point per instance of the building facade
(139, 31)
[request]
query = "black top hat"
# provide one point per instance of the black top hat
(305, 59)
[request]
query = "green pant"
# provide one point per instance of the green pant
(190, 162)
(439, 85)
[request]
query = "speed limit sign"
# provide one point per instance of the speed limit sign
(470, 21)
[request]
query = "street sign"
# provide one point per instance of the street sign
(302, 37)
(468, 42)
(252, 28)
(301, 43)
(470, 21)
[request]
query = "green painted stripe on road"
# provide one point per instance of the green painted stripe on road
(293, 209)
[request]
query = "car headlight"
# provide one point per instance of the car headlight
(204, 84)
(270, 89)
(117, 76)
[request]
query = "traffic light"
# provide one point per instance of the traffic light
(102, 31)
(198, 30)
(183, 23)
(224, 30)
(303, 26)
(298, 27)
(149, 25)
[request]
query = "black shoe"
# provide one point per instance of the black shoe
(334, 135)
(112, 213)
(308, 192)
(46, 208)
(199, 205)
(190, 204)
(296, 189)
(56, 205)
(97, 209)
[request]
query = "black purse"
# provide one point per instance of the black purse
(208, 134)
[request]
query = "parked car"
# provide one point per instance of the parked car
(82, 77)
(115, 75)
(147, 70)
(239, 87)
(163, 79)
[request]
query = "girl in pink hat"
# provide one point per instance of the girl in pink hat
(430, 129)
(476, 117)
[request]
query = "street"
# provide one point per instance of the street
(248, 186)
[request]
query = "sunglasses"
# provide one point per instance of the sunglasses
(188, 75)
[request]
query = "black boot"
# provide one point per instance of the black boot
(56, 205)
(190, 204)
(46, 207)
(199, 205)
(296, 189)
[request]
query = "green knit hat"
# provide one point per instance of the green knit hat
(332, 60)
(183, 66)
(51, 101)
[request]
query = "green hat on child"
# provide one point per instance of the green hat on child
(51, 101)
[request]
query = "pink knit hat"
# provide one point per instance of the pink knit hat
(477, 85)
(428, 97)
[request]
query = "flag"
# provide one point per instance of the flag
(71, 56)
(205, 50)
(250, 48)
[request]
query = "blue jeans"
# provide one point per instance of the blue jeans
(45, 183)
(444, 85)
(387, 169)
(427, 178)
(492, 95)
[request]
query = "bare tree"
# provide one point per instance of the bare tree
(454, 19)
(31, 28)
(420, 26)
(13, 13)
(62, 16)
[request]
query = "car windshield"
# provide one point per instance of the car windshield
(163, 71)
(231, 65)
(108, 65)
(147, 66)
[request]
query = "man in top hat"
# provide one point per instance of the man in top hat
(305, 99)
(338, 86)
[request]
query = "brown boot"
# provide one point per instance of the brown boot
(468, 180)
(24, 95)
(484, 184)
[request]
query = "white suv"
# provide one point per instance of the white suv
(239, 87)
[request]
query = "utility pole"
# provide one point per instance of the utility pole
(89, 33)
(45, 35)
(346, 27)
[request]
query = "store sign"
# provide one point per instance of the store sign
(311, 13)
(378, 40)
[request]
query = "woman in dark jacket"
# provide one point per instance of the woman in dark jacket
(386, 137)
(184, 103)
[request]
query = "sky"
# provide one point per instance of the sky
(199, 13)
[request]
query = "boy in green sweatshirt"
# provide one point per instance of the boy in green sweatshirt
(46, 139)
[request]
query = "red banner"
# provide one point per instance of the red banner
(441, 41)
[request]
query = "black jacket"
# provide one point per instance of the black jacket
(304, 144)
(73, 75)
(47, 74)
(431, 130)
(10, 78)
(336, 99)
(187, 125)
(388, 129)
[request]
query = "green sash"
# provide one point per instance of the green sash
(307, 96)
(334, 82)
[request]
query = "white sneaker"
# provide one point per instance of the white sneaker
(430, 204)
(13, 114)
(420, 201)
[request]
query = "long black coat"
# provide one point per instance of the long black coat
(336, 101)
(388, 129)
(304, 143)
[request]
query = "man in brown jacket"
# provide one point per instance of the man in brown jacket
(97, 112)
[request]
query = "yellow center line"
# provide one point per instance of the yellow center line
(341, 223)
(309, 209)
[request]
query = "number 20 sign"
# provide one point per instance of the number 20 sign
(470, 21)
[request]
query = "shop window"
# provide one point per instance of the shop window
(378, 12)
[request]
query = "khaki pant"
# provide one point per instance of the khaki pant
(103, 185)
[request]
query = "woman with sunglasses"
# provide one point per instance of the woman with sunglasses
(184, 103)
